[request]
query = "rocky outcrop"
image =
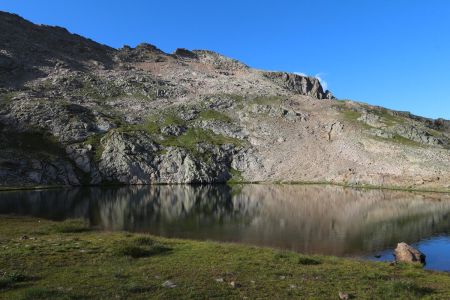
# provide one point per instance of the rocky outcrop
(137, 159)
(219, 61)
(185, 53)
(141, 53)
(391, 125)
(406, 253)
(303, 85)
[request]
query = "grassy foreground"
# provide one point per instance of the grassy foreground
(41, 259)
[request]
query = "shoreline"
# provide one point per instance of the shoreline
(344, 185)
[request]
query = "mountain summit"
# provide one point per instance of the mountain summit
(75, 112)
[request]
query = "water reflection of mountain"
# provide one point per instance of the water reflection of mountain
(311, 219)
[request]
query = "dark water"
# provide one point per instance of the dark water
(308, 219)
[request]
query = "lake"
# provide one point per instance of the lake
(311, 219)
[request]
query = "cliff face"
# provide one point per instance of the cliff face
(307, 86)
(76, 112)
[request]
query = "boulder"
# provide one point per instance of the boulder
(408, 254)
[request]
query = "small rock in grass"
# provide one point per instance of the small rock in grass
(282, 277)
(169, 284)
(235, 284)
(292, 286)
(219, 279)
(344, 296)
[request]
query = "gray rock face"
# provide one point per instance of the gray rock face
(419, 135)
(22, 170)
(128, 159)
(137, 159)
(308, 86)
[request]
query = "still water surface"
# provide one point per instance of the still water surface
(309, 219)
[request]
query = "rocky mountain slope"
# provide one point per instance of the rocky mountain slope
(75, 112)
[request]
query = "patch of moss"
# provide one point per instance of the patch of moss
(387, 117)
(404, 141)
(97, 147)
(398, 139)
(71, 226)
(130, 128)
(155, 122)
(144, 241)
(215, 115)
(303, 260)
(152, 127)
(6, 98)
(191, 138)
(236, 176)
(351, 115)
(195, 136)
(141, 247)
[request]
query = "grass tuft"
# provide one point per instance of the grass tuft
(141, 247)
(214, 115)
(308, 261)
(71, 226)
(144, 241)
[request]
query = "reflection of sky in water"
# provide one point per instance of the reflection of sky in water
(309, 219)
(437, 250)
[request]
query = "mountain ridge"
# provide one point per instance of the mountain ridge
(75, 112)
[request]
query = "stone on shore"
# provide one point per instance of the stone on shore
(408, 254)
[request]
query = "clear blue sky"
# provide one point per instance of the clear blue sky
(394, 53)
